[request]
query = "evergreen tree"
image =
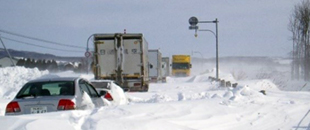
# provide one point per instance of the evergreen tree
(39, 64)
(27, 63)
(21, 62)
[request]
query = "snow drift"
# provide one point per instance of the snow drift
(181, 103)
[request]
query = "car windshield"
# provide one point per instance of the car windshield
(54, 88)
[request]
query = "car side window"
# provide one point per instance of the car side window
(92, 90)
(88, 89)
(83, 87)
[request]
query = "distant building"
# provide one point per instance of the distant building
(5, 61)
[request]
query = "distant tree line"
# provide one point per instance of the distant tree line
(299, 26)
(50, 65)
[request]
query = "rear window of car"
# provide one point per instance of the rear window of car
(55, 88)
(100, 84)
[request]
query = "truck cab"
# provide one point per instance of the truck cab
(181, 65)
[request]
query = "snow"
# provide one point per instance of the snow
(86, 101)
(119, 96)
(12, 78)
(117, 93)
(188, 103)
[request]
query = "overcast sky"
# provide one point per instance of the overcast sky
(246, 27)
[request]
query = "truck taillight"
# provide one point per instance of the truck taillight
(137, 84)
(65, 104)
(108, 97)
(12, 107)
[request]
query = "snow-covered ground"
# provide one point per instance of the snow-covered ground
(191, 103)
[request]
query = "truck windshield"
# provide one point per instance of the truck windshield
(180, 66)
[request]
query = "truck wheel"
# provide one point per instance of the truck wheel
(145, 88)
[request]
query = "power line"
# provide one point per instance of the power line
(39, 45)
(37, 39)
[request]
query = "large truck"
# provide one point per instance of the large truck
(165, 70)
(155, 66)
(181, 65)
(122, 58)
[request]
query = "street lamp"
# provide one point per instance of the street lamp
(201, 57)
(198, 53)
(193, 21)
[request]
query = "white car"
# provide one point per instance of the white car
(111, 91)
(55, 94)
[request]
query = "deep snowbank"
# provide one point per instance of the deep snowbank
(182, 103)
(13, 78)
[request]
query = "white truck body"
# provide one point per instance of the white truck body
(165, 70)
(155, 66)
(122, 58)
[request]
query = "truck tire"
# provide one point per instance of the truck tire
(145, 88)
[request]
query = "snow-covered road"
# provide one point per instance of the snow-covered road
(181, 103)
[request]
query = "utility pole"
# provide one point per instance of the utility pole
(7, 52)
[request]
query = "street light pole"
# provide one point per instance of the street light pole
(217, 48)
(202, 63)
(193, 21)
(198, 53)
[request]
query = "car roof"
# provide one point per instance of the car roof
(44, 79)
(101, 80)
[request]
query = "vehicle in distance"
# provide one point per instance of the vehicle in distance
(54, 94)
(155, 67)
(165, 69)
(111, 91)
(122, 58)
(181, 65)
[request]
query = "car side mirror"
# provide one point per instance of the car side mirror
(125, 89)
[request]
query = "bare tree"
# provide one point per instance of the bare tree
(299, 25)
